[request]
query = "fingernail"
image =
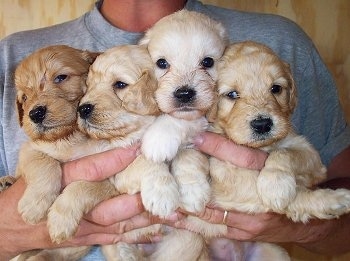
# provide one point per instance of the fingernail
(198, 140)
(138, 152)
(155, 239)
(172, 217)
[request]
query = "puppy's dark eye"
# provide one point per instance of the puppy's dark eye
(276, 89)
(233, 95)
(120, 85)
(162, 64)
(60, 78)
(24, 98)
(207, 62)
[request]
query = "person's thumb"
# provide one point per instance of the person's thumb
(98, 166)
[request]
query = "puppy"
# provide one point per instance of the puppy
(257, 96)
(184, 47)
(115, 111)
(49, 83)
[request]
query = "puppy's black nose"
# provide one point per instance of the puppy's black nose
(37, 115)
(85, 110)
(261, 125)
(184, 94)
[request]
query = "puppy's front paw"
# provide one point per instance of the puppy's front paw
(62, 220)
(160, 196)
(194, 197)
(6, 182)
(33, 206)
(334, 203)
(276, 188)
(160, 147)
(319, 203)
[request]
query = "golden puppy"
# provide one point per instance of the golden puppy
(50, 83)
(257, 96)
(115, 111)
(184, 47)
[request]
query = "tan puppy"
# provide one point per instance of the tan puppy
(117, 108)
(257, 98)
(184, 47)
(50, 83)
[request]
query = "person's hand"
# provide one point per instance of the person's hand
(267, 227)
(104, 225)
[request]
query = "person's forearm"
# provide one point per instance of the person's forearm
(337, 240)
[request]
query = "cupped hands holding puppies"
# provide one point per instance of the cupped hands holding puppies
(103, 225)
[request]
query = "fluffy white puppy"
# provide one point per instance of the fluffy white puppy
(185, 48)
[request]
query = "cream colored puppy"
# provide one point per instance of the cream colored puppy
(184, 47)
(49, 84)
(116, 109)
(257, 96)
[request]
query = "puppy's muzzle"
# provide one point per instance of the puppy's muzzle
(37, 115)
(261, 125)
(185, 94)
(85, 110)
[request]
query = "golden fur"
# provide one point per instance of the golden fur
(50, 83)
(116, 109)
(257, 96)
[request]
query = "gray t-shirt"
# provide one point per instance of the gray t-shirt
(318, 115)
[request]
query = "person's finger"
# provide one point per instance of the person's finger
(87, 227)
(95, 239)
(225, 150)
(118, 231)
(98, 166)
(107, 239)
(116, 209)
(255, 223)
(259, 226)
(210, 214)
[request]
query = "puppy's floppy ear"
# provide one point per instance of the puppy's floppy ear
(20, 111)
(89, 56)
(292, 88)
(146, 38)
(212, 112)
(140, 98)
(222, 33)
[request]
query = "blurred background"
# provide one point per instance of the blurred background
(327, 22)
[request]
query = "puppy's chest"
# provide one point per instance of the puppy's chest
(73, 147)
(231, 185)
